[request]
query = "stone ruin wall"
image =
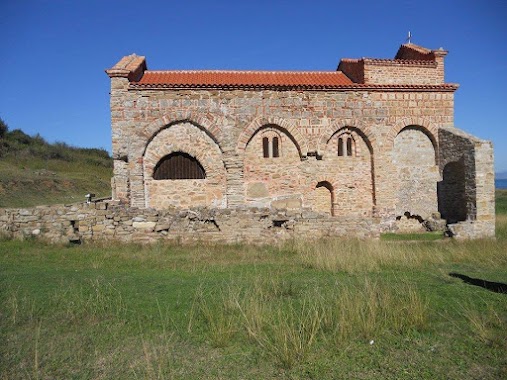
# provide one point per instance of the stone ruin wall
(105, 221)
(467, 183)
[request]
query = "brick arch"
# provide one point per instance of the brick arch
(194, 141)
(209, 123)
(286, 126)
(209, 160)
(352, 124)
(423, 124)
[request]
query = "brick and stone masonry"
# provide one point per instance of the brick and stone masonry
(372, 144)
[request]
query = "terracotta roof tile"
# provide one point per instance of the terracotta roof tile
(242, 79)
(417, 48)
(278, 80)
(412, 51)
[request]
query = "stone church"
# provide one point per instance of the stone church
(374, 139)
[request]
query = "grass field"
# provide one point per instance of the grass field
(335, 309)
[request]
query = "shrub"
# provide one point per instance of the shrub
(3, 128)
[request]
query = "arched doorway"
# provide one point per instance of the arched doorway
(452, 203)
(324, 198)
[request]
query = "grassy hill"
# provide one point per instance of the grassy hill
(34, 172)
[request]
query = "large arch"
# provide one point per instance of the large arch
(331, 130)
(288, 127)
(187, 138)
(424, 125)
(212, 125)
(353, 175)
(209, 123)
(416, 173)
(270, 177)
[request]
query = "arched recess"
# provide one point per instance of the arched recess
(422, 124)
(270, 176)
(352, 171)
(192, 141)
(214, 126)
(324, 198)
(333, 128)
(416, 172)
(285, 126)
(452, 202)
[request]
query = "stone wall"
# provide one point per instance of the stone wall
(308, 124)
(111, 221)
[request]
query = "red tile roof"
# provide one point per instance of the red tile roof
(242, 79)
(278, 80)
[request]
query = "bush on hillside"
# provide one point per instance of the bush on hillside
(21, 145)
(3, 128)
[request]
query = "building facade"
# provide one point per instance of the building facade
(374, 139)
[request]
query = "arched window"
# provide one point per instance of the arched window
(179, 166)
(276, 152)
(349, 146)
(346, 145)
(265, 147)
(271, 144)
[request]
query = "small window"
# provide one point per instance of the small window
(349, 146)
(265, 147)
(276, 153)
(346, 145)
(271, 144)
(179, 166)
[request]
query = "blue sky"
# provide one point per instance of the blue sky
(54, 53)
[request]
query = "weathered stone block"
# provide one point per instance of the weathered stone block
(144, 225)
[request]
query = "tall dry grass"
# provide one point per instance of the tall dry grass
(287, 327)
(354, 256)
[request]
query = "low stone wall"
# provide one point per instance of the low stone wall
(111, 221)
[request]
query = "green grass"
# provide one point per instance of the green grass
(501, 201)
(425, 236)
(332, 309)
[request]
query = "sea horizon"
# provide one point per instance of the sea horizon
(500, 183)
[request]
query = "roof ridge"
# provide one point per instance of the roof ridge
(448, 86)
(245, 71)
(418, 48)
